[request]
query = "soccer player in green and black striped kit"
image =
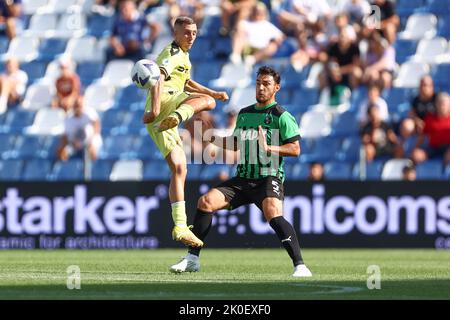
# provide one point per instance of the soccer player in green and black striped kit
(264, 134)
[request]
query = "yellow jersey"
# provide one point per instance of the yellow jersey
(175, 65)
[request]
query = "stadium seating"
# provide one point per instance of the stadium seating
(51, 29)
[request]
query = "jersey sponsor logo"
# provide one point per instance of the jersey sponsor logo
(250, 134)
(182, 69)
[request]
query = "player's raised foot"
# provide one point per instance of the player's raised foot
(168, 123)
(301, 271)
(186, 236)
(190, 263)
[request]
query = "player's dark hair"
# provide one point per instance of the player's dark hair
(265, 70)
(182, 20)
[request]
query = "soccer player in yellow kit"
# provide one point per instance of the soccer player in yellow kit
(173, 99)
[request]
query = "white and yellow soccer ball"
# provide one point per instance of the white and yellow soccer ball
(145, 73)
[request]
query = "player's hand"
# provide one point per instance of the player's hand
(262, 140)
(149, 117)
(221, 95)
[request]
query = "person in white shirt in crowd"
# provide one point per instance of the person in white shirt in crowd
(82, 132)
(13, 83)
(373, 98)
(357, 10)
(257, 39)
(295, 15)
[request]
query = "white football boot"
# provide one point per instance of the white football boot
(302, 271)
(190, 263)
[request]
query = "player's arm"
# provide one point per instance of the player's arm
(289, 149)
(155, 91)
(227, 143)
(195, 87)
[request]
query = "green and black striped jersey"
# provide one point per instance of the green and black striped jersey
(280, 127)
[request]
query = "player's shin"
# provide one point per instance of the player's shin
(288, 238)
(202, 225)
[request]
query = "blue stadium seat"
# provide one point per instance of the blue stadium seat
(438, 7)
(100, 26)
(404, 49)
(210, 26)
(447, 172)
(115, 121)
(290, 78)
(156, 170)
(7, 143)
(222, 47)
(51, 48)
(101, 169)
(35, 70)
(444, 26)
(307, 145)
(337, 170)
(36, 169)
(398, 112)
(10, 170)
(16, 120)
(201, 51)
(212, 171)
(358, 96)
(296, 171)
(430, 170)
(28, 147)
(147, 150)
(350, 149)
(117, 147)
(397, 96)
(71, 169)
(128, 95)
(302, 100)
(441, 73)
(284, 97)
(51, 145)
(203, 72)
(345, 124)
(194, 171)
(373, 170)
(408, 7)
(89, 72)
(4, 44)
(325, 149)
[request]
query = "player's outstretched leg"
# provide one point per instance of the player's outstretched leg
(186, 110)
(176, 160)
(207, 205)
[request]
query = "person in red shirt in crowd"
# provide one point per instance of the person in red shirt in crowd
(437, 130)
(67, 87)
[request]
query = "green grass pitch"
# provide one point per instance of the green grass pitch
(251, 274)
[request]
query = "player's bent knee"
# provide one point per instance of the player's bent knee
(179, 169)
(205, 204)
(210, 102)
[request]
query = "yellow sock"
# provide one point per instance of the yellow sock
(179, 213)
(185, 111)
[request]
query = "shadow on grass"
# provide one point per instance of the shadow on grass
(297, 289)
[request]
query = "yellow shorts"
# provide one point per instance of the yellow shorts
(166, 140)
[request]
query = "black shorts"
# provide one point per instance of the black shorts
(240, 191)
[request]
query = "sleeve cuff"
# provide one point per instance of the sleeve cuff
(163, 70)
(292, 139)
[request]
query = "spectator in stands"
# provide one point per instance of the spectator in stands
(67, 86)
(310, 49)
(345, 56)
(341, 23)
(409, 172)
(389, 19)
(379, 63)
(128, 35)
(437, 130)
(373, 99)
(190, 8)
(357, 10)
(239, 9)
(257, 38)
(316, 172)
(298, 15)
(378, 137)
(82, 133)
(406, 138)
(422, 104)
(13, 84)
(147, 6)
(10, 10)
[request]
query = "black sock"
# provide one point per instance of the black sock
(288, 238)
(202, 224)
